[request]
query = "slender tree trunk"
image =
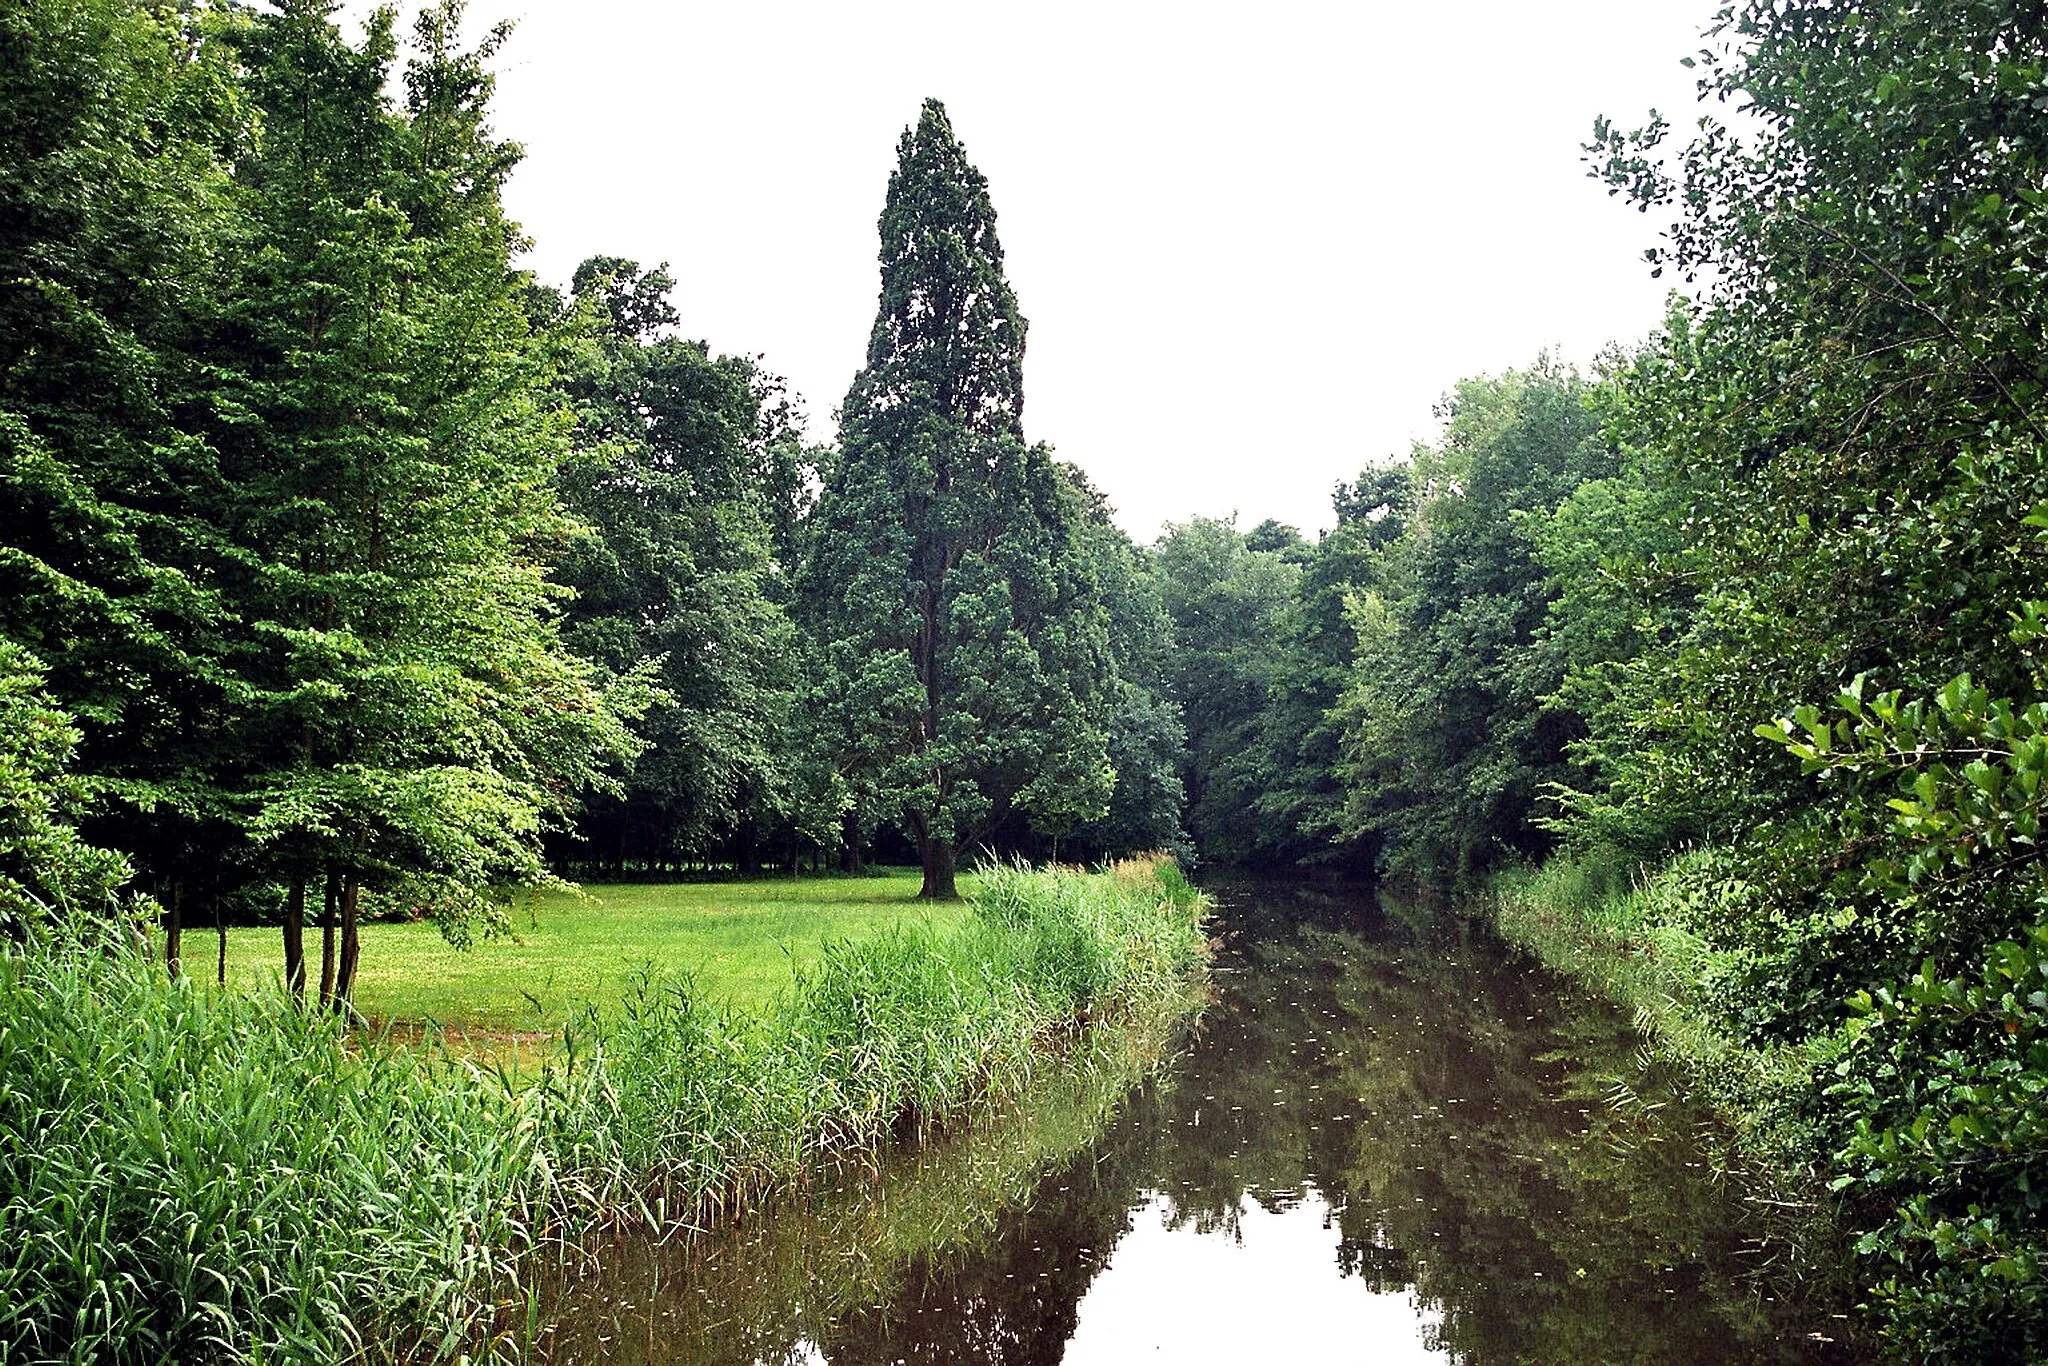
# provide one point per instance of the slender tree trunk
(295, 939)
(849, 843)
(329, 900)
(938, 869)
(174, 929)
(351, 943)
(220, 935)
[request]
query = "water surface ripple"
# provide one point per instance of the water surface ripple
(1389, 1140)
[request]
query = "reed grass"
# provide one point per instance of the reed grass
(202, 1176)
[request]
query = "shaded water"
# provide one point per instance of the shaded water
(1388, 1140)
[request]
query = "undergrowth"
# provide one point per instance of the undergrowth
(193, 1176)
(1633, 934)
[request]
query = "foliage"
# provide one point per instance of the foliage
(964, 643)
(1147, 733)
(1451, 731)
(675, 575)
(277, 428)
(1839, 446)
(45, 868)
(1229, 605)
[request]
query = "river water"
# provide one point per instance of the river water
(1388, 1139)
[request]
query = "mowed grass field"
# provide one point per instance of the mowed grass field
(741, 942)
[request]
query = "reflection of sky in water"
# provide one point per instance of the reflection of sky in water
(1270, 1290)
(1385, 1142)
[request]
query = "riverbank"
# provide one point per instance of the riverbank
(1621, 928)
(214, 1174)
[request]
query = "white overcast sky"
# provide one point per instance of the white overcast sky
(1255, 243)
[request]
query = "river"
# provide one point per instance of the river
(1388, 1139)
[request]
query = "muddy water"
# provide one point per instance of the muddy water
(1388, 1140)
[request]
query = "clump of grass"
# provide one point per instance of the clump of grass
(200, 1176)
(706, 1108)
(192, 1176)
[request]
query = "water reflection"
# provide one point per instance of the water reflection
(1386, 1142)
(1172, 1293)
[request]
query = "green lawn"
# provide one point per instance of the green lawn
(741, 941)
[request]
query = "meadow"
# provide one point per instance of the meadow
(740, 942)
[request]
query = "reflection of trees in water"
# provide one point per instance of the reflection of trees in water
(1453, 1111)
(1015, 1307)
(1446, 1105)
(841, 1269)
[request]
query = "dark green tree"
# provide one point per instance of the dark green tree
(1301, 796)
(118, 125)
(1849, 425)
(962, 640)
(1230, 605)
(1147, 739)
(675, 473)
(1451, 736)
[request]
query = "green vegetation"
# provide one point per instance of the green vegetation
(738, 942)
(368, 574)
(1743, 632)
(828, 1253)
(194, 1174)
(346, 570)
(963, 638)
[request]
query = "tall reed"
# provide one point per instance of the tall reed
(189, 1175)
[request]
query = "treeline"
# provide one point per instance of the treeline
(1743, 632)
(347, 569)
(1389, 696)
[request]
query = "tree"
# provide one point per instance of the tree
(118, 125)
(1230, 605)
(1849, 427)
(1300, 793)
(684, 478)
(1147, 737)
(962, 639)
(45, 868)
(413, 723)
(1451, 736)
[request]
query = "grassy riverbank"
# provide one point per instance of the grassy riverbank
(1623, 929)
(740, 941)
(195, 1174)
(1917, 1101)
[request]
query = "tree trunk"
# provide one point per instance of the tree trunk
(351, 944)
(174, 929)
(849, 846)
(938, 870)
(329, 901)
(295, 939)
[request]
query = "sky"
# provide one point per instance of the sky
(1256, 244)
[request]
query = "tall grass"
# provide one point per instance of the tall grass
(193, 1176)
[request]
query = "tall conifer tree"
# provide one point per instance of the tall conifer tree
(965, 643)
